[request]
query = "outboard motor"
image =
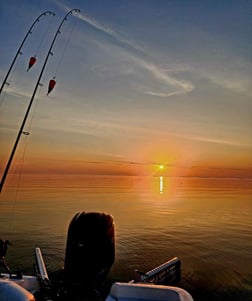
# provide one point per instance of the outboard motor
(90, 249)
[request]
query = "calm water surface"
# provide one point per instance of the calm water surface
(207, 223)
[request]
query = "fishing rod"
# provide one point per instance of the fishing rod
(20, 47)
(32, 98)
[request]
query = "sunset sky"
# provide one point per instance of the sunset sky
(139, 83)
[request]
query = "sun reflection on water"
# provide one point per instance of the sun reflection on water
(161, 185)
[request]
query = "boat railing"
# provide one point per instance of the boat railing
(42, 276)
(41, 267)
(166, 273)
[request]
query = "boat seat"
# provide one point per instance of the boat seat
(146, 292)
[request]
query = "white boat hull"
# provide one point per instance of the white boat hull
(146, 292)
(13, 290)
(30, 283)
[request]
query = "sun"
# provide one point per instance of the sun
(161, 166)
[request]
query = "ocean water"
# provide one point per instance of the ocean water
(205, 222)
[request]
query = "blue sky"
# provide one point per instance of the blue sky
(138, 82)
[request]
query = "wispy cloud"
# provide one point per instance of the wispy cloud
(18, 92)
(102, 27)
(171, 85)
(229, 72)
(178, 86)
(234, 85)
(109, 31)
(220, 141)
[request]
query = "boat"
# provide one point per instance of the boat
(89, 255)
(152, 285)
(18, 287)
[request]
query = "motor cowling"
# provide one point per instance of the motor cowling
(90, 248)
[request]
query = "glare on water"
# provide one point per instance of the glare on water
(207, 223)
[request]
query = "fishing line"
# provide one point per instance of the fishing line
(34, 109)
(27, 133)
(18, 168)
(13, 209)
(70, 32)
(33, 58)
(42, 40)
(14, 198)
(2, 98)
